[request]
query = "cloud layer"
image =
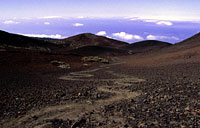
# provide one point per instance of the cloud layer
(101, 33)
(46, 23)
(50, 17)
(126, 36)
(157, 37)
(80, 17)
(165, 23)
(10, 22)
(78, 24)
(57, 36)
(158, 22)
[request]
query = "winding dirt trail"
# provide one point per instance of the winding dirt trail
(75, 111)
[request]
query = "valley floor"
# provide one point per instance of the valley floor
(133, 92)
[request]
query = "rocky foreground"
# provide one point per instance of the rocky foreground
(120, 94)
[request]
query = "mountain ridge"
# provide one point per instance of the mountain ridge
(19, 41)
(146, 45)
(88, 39)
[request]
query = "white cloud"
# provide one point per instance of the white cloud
(134, 18)
(156, 37)
(78, 24)
(10, 22)
(101, 33)
(109, 37)
(137, 37)
(80, 17)
(126, 36)
(26, 18)
(123, 35)
(131, 17)
(150, 20)
(46, 23)
(42, 35)
(50, 17)
(151, 37)
(165, 23)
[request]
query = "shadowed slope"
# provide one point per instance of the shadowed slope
(88, 39)
(9, 39)
(194, 39)
(186, 45)
(98, 50)
(147, 45)
(189, 43)
(187, 51)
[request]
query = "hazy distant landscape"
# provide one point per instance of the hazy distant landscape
(99, 64)
(138, 29)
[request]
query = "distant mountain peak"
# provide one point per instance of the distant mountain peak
(89, 39)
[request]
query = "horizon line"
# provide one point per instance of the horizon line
(101, 17)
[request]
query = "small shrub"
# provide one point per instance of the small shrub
(104, 61)
(86, 65)
(64, 66)
(60, 64)
(95, 59)
(57, 63)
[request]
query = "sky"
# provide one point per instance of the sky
(150, 9)
(126, 20)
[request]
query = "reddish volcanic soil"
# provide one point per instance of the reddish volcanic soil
(157, 90)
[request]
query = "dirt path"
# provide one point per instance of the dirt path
(75, 111)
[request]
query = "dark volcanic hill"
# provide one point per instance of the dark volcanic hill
(146, 45)
(19, 41)
(190, 42)
(88, 39)
(185, 51)
(98, 51)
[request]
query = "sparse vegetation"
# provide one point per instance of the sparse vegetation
(85, 65)
(104, 61)
(95, 59)
(60, 64)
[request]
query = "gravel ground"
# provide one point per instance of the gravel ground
(169, 94)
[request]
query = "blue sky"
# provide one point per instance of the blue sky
(149, 9)
(126, 20)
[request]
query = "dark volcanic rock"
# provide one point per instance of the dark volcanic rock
(88, 39)
(144, 46)
(14, 40)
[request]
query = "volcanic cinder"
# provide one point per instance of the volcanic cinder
(47, 83)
